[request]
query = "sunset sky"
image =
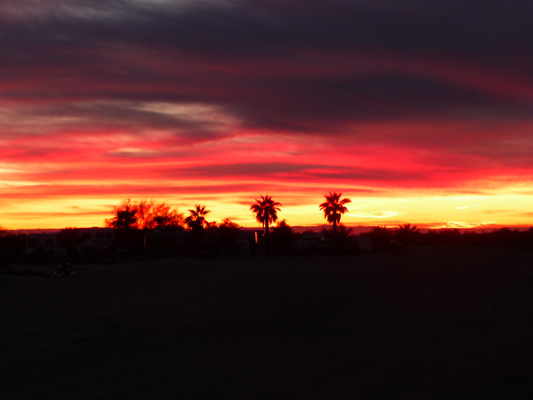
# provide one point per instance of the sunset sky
(420, 111)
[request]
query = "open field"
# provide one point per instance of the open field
(441, 323)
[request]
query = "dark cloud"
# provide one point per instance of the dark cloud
(287, 172)
(214, 52)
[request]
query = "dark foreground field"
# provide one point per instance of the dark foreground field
(441, 323)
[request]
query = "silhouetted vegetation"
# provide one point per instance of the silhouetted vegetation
(125, 216)
(381, 237)
(340, 241)
(266, 212)
(407, 234)
(503, 237)
(196, 220)
(155, 229)
(396, 240)
(132, 220)
(145, 215)
(333, 208)
(228, 233)
(282, 239)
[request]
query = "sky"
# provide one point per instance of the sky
(419, 111)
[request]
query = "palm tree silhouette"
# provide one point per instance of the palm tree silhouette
(125, 216)
(196, 221)
(266, 211)
(333, 208)
(407, 233)
(407, 229)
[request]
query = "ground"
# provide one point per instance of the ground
(440, 323)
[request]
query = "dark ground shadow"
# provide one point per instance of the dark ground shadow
(441, 323)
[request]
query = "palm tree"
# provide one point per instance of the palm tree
(406, 233)
(196, 220)
(333, 208)
(266, 211)
(125, 216)
(407, 228)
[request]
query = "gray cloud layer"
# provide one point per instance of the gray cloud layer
(215, 52)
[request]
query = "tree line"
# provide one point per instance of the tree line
(149, 215)
(131, 220)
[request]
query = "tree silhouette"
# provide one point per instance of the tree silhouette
(406, 233)
(266, 211)
(165, 218)
(333, 208)
(282, 238)
(159, 216)
(125, 216)
(145, 215)
(196, 220)
(228, 232)
(381, 237)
